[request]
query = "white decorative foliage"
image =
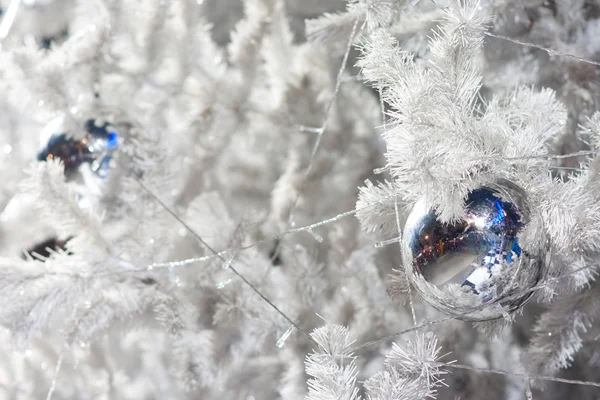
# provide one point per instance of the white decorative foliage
(252, 139)
(332, 365)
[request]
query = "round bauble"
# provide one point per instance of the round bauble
(474, 268)
(94, 144)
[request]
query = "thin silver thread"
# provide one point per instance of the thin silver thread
(526, 376)
(263, 241)
(338, 82)
(55, 377)
(403, 332)
(541, 156)
(205, 244)
(551, 52)
(321, 130)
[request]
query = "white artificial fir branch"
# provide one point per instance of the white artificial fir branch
(35, 293)
(293, 380)
(390, 384)
(333, 27)
(397, 286)
(58, 204)
(50, 76)
(92, 29)
(277, 51)
(418, 359)
(372, 14)
(21, 69)
(439, 154)
(248, 35)
(559, 333)
(375, 208)
(309, 277)
(412, 371)
(331, 366)
(60, 293)
(571, 214)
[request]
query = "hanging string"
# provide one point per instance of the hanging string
(522, 375)
(235, 271)
(55, 376)
(550, 52)
(321, 130)
(260, 242)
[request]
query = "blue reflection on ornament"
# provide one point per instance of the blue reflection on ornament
(101, 144)
(471, 251)
(113, 140)
(501, 213)
(96, 148)
(476, 258)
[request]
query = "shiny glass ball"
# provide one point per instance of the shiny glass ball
(96, 147)
(463, 266)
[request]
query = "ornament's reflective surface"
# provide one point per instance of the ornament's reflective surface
(480, 253)
(96, 148)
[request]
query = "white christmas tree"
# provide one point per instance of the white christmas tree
(217, 213)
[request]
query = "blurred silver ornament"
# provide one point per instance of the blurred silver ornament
(96, 147)
(99, 152)
(461, 268)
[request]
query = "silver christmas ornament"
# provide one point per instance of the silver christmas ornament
(472, 266)
(96, 154)
(96, 148)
